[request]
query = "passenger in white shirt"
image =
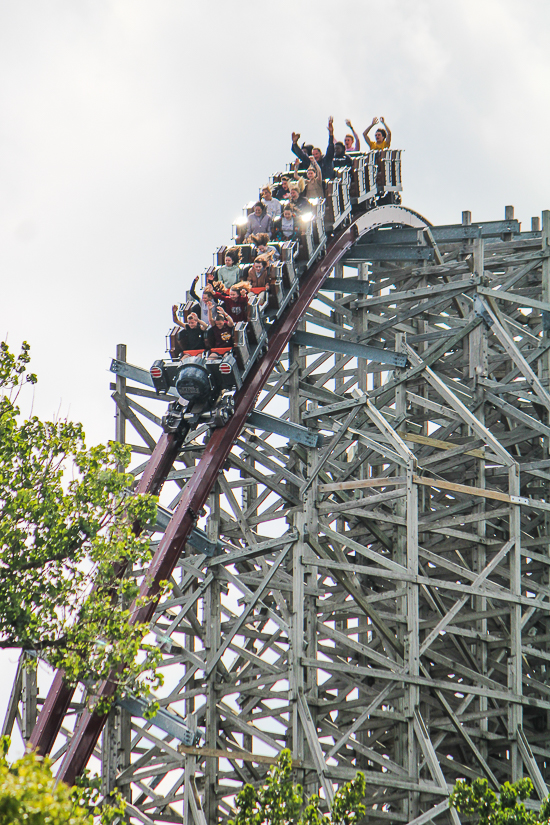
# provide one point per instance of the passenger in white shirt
(271, 204)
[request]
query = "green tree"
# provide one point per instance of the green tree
(280, 801)
(68, 523)
(29, 794)
(484, 807)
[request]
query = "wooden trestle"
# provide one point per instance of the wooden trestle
(381, 600)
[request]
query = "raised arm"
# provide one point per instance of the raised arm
(192, 292)
(175, 318)
(367, 130)
(296, 167)
(386, 129)
(227, 317)
(318, 173)
(202, 324)
(355, 135)
(297, 150)
(329, 154)
(210, 305)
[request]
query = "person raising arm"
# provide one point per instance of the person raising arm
(348, 140)
(382, 137)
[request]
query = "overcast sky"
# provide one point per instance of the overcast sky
(133, 131)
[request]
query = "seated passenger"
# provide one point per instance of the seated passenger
(230, 273)
(220, 332)
(258, 276)
(204, 300)
(258, 221)
(297, 200)
(352, 142)
(234, 303)
(340, 157)
(287, 228)
(261, 246)
(191, 334)
(314, 185)
(271, 204)
(281, 191)
(382, 137)
(324, 161)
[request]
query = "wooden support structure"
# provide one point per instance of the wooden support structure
(381, 602)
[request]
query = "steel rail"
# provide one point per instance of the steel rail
(199, 485)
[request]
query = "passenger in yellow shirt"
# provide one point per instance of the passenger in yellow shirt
(382, 137)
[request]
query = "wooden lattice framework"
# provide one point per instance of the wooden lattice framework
(381, 600)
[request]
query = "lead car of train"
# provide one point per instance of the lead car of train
(204, 383)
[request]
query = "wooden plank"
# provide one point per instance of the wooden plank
(462, 488)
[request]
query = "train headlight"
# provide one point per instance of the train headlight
(193, 383)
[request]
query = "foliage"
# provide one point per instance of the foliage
(481, 803)
(280, 802)
(68, 523)
(28, 793)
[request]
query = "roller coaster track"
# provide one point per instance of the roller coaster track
(199, 485)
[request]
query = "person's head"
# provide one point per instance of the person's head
(219, 320)
(380, 135)
(294, 194)
(260, 241)
(232, 256)
(258, 209)
(207, 294)
(284, 183)
(339, 149)
(349, 142)
(233, 294)
(192, 320)
(288, 212)
(260, 264)
(317, 154)
(266, 193)
(307, 148)
(310, 173)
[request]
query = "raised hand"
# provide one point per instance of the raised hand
(348, 123)
(295, 137)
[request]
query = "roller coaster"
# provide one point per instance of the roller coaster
(347, 644)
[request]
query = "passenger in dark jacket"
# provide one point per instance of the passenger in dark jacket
(340, 157)
(325, 161)
(191, 334)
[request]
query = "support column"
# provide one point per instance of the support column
(115, 751)
(29, 696)
(212, 641)
(412, 642)
(515, 684)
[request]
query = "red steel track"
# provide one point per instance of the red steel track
(198, 487)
